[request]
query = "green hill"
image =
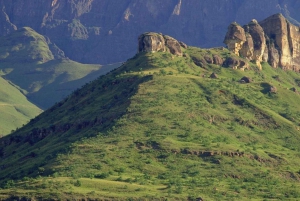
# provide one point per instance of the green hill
(31, 63)
(159, 127)
(15, 109)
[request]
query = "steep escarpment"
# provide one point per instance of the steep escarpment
(105, 31)
(274, 40)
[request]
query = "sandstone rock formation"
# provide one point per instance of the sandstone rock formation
(156, 42)
(284, 40)
(248, 41)
(235, 38)
(274, 40)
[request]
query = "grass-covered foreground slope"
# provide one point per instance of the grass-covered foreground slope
(15, 109)
(159, 128)
(27, 61)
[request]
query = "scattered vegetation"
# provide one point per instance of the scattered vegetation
(159, 128)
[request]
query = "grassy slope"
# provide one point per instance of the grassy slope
(157, 128)
(27, 62)
(15, 109)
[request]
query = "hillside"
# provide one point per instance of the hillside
(15, 109)
(105, 31)
(40, 72)
(163, 127)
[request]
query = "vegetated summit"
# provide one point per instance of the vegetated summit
(173, 122)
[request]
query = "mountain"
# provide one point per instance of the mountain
(38, 71)
(105, 31)
(173, 122)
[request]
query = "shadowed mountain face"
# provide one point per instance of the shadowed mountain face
(105, 31)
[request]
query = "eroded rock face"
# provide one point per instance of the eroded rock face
(274, 40)
(235, 38)
(248, 47)
(156, 42)
(248, 41)
(259, 41)
(285, 38)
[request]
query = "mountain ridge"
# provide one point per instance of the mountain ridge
(163, 126)
(82, 29)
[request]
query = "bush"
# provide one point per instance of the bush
(77, 183)
(102, 175)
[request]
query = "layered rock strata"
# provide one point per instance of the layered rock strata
(274, 40)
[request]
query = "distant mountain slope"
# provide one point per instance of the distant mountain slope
(15, 109)
(104, 31)
(40, 71)
(164, 127)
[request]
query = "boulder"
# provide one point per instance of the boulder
(246, 79)
(231, 62)
(273, 89)
(151, 42)
(157, 42)
(235, 63)
(173, 45)
(214, 76)
(235, 38)
(208, 59)
(294, 89)
(218, 60)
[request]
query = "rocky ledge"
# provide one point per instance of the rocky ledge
(274, 40)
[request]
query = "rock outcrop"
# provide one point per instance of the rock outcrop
(235, 38)
(157, 42)
(248, 41)
(284, 40)
(274, 40)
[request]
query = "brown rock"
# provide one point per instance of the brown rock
(235, 63)
(155, 42)
(231, 62)
(151, 42)
(273, 89)
(235, 38)
(173, 45)
(259, 41)
(286, 39)
(214, 76)
(246, 79)
(209, 59)
(248, 48)
(273, 56)
(182, 44)
(217, 60)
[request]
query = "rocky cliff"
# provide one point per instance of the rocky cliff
(105, 31)
(274, 40)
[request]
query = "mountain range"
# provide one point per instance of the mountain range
(173, 122)
(105, 31)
